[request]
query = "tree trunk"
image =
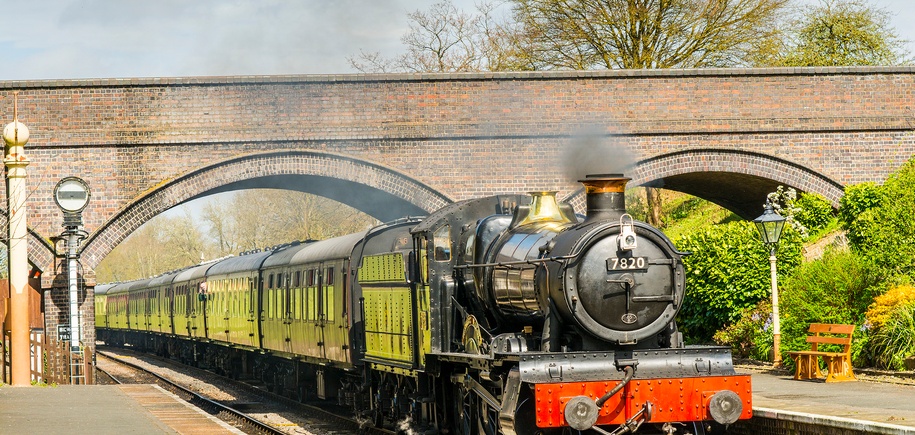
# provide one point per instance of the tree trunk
(653, 204)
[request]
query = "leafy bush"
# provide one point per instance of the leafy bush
(727, 273)
(890, 318)
(834, 289)
(751, 335)
(884, 234)
(884, 305)
(813, 211)
(857, 199)
(895, 339)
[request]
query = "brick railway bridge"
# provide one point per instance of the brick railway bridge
(407, 144)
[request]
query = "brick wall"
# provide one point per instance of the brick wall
(146, 144)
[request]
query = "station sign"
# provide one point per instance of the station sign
(63, 332)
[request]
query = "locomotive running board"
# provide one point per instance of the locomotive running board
(691, 361)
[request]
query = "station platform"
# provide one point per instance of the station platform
(102, 409)
(862, 406)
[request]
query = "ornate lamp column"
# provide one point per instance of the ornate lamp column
(16, 135)
(770, 225)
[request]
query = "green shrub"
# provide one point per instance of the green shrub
(834, 289)
(857, 199)
(883, 306)
(884, 234)
(727, 273)
(751, 335)
(813, 211)
(895, 340)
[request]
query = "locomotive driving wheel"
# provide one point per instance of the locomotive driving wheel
(473, 415)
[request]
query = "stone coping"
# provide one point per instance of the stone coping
(469, 76)
(830, 421)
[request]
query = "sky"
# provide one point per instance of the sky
(74, 39)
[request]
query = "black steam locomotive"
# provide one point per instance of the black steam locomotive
(486, 317)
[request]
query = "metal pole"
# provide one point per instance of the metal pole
(72, 247)
(16, 135)
(776, 329)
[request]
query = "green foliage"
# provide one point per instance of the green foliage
(844, 33)
(879, 312)
(895, 340)
(727, 273)
(834, 289)
(858, 198)
(885, 234)
(814, 211)
(684, 214)
(751, 335)
(890, 318)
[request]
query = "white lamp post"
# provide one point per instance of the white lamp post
(16, 135)
(770, 225)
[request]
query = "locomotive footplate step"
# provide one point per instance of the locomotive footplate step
(102, 409)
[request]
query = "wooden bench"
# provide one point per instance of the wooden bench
(838, 364)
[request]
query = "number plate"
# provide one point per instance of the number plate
(627, 263)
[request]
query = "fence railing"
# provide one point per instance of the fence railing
(50, 361)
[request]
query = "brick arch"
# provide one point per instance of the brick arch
(379, 191)
(734, 179)
(40, 250)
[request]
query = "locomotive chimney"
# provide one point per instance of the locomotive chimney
(606, 196)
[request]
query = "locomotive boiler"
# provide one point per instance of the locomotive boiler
(507, 314)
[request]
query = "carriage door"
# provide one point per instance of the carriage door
(251, 305)
(168, 316)
(322, 315)
(285, 301)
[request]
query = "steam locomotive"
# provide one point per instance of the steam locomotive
(486, 317)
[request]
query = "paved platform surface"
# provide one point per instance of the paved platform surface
(882, 407)
(102, 409)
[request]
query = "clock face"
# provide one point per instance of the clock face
(71, 194)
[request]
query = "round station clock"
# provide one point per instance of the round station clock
(71, 194)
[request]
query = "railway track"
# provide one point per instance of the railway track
(251, 409)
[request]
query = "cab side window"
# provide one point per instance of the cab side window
(441, 243)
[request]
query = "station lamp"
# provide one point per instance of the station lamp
(770, 225)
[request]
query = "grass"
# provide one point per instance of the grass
(680, 213)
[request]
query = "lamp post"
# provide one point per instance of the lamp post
(770, 225)
(15, 134)
(72, 196)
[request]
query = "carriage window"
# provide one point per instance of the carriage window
(312, 307)
(297, 278)
(270, 281)
(311, 278)
(329, 304)
(280, 280)
(329, 278)
(441, 242)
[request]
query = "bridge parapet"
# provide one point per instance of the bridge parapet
(464, 135)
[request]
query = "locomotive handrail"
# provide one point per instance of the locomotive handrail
(517, 263)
